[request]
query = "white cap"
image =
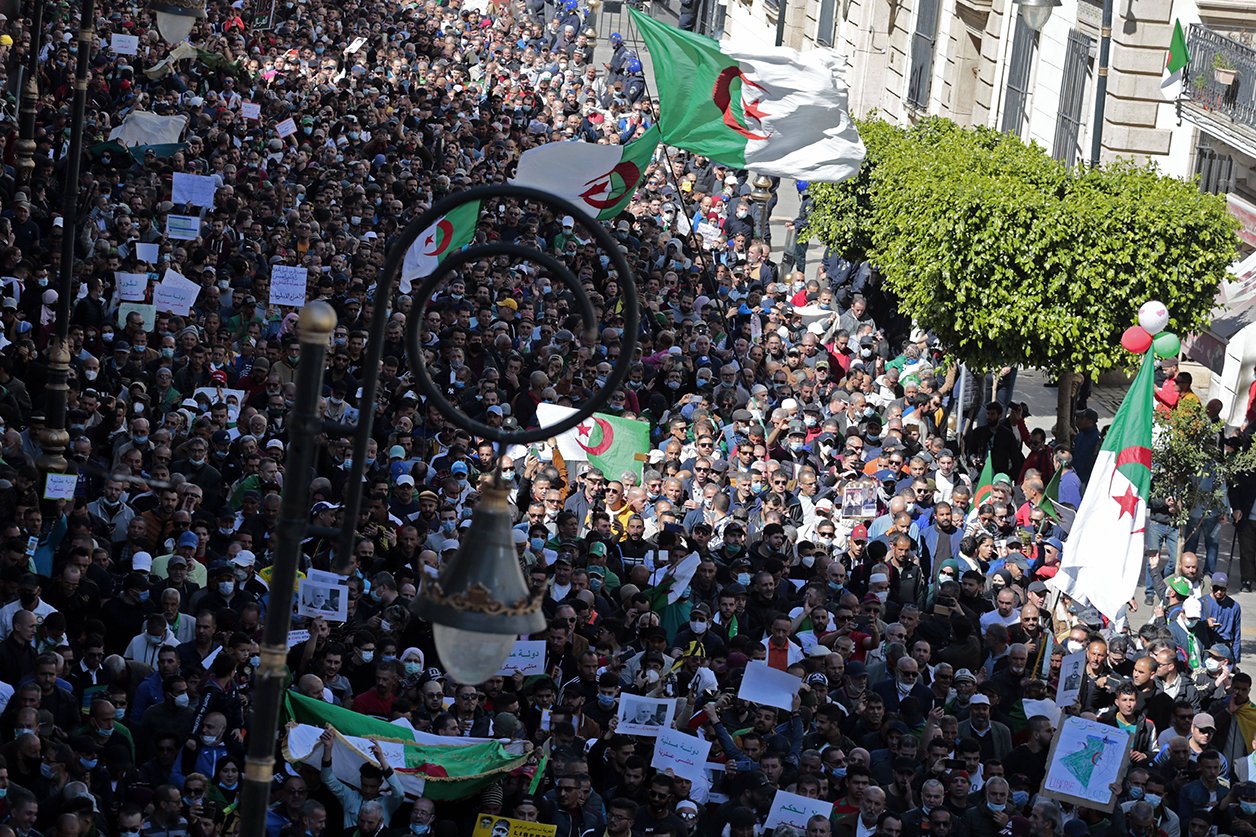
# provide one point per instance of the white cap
(877, 578)
(405, 479)
(1192, 608)
(568, 221)
(448, 545)
(142, 562)
(244, 558)
(979, 699)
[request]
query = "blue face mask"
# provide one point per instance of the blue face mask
(606, 701)
(88, 764)
(1136, 792)
(995, 807)
(839, 772)
(743, 579)
(1153, 798)
(1020, 798)
(1248, 807)
(144, 596)
(419, 829)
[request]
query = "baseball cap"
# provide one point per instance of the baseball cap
(177, 559)
(449, 545)
(817, 678)
(964, 674)
(1178, 585)
(405, 479)
(396, 452)
(458, 468)
(188, 539)
(1204, 721)
(244, 558)
(859, 533)
(979, 699)
(143, 562)
(1220, 580)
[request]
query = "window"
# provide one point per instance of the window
(1214, 170)
(920, 79)
(1016, 100)
(827, 22)
(1068, 125)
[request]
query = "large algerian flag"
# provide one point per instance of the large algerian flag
(615, 445)
(446, 236)
(1175, 61)
(753, 106)
(437, 767)
(1062, 514)
(1104, 558)
(600, 179)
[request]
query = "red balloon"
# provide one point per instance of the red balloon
(1136, 339)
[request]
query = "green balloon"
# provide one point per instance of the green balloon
(1167, 344)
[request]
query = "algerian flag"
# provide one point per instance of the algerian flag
(754, 106)
(614, 445)
(448, 235)
(600, 179)
(985, 484)
(1104, 559)
(1175, 61)
(1051, 505)
(436, 767)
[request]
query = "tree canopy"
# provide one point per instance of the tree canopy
(1012, 258)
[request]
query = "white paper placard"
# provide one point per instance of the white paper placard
(297, 637)
(331, 602)
(640, 715)
(175, 293)
(357, 44)
(767, 686)
(60, 486)
(120, 44)
(251, 110)
(794, 810)
(286, 128)
(183, 227)
(194, 189)
(685, 755)
(527, 658)
(287, 285)
(148, 253)
(1072, 675)
(132, 287)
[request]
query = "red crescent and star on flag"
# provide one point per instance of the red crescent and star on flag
(602, 193)
(1128, 502)
(608, 436)
(446, 231)
(723, 98)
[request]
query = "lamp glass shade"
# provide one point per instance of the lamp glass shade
(470, 656)
(1037, 14)
(174, 28)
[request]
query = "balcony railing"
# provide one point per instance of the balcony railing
(1222, 75)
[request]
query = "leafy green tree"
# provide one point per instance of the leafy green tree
(1013, 259)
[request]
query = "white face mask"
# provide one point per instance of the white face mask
(1073, 646)
(698, 627)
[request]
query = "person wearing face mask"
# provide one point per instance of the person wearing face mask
(172, 716)
(702, 628)
(989, 819)
(210, 746)
(1191, 632)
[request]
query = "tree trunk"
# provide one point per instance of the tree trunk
(1064, 408)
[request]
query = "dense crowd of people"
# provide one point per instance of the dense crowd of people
(805, 448)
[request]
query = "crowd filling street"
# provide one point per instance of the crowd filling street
(804, 447)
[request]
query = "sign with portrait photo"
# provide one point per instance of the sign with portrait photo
(331, 602)
(646, 716)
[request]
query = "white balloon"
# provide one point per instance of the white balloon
(1153, 317)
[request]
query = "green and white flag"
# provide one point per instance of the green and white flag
(755, 106)
(1175, 61)
(448, 235)
(614, 445)
(432, 766)
(1064, 515)
(1104, 559)
(985, 484)
(600, 179)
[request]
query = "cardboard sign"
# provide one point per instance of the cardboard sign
(132, 287)
(527, 658)
(1086, 759)
(194, 189)
(120, 44)
(767, 686)
(183, 227)
(148, 253)
(794, 810)
(1072, 676)
(147, 312)
(251, 110)
(685, 755)
(644, 716)
(495, 825)
(286, 128)
(287, 285)
(60, 486)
